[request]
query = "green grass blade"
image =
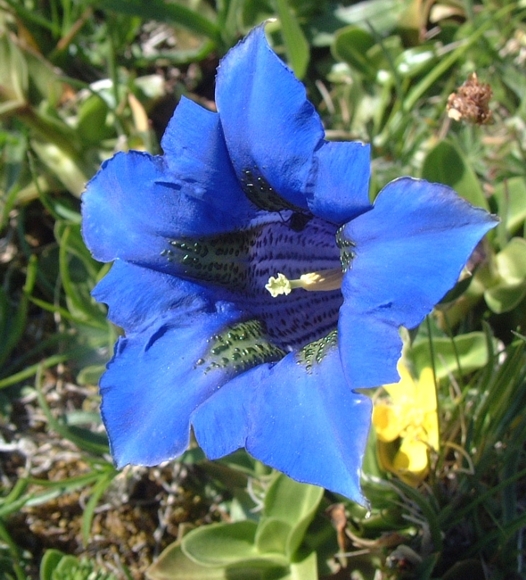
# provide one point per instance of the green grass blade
(296, 45)
(164, 12)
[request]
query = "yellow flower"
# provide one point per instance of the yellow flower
(407, 425)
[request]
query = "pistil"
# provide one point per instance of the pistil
(323, 280)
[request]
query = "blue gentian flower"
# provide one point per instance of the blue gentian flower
(256, 284)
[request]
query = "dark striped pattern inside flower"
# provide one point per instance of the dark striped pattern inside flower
(262, 194)
(220, 260)
(239, 264)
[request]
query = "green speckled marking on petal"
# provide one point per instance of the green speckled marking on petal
(346, 253)
(314, 352)
(240, 347)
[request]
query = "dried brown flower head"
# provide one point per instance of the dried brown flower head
(471, 102)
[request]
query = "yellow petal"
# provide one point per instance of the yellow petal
(411, 462)
(426, 391)
(404, 389)
(386, 454)
(387, 422)
(412, 456)
(398, 462)
(430, 426)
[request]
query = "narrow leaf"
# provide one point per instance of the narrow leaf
(171, 13)
(296, 46)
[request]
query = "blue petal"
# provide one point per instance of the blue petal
(196, 154)
(274, 132)
(341, 189)
(154, 383)
(308, 424)
(140, 297)
(120, 207)
(409, 251)
(222, 424)
(137, 201)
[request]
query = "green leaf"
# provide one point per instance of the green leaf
(67, 567)
(294, 504)
(273, 536)
(445, 163)
(296, 46)
(14, 76)
(170, 13)
(49, 130)
(411, 21)
(92, 120)
(510, 196)
(96, 443)
(63, 165)
(471, 568)
(229, 19)
(460, 355)
(511, 262)
(415, 61)
(96, 493)
(351, 45)
(13, 324)
(291, 501)
(504, 298)
(78, 273)
(49, 563)
(223, 545)
(90, 375)
(306, 569)
(510, 290)
(173, 564)
(380, 15)
(44, 84)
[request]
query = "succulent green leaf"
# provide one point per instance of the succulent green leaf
(296, 46)
(351, 45)
(446, 163)
(44, 84)
(504, 298)
(415, 61)
(173, 564)
(272, 536)
(380, 15)
(63, 165)
(168, 12)
(294, 504)
(58, 566)
(14, 76)
(92, 120)
(224, 545)
(457, 356)
(306, 569)
(49, 562)
(510, 264)
(510, 196)
(78, 271)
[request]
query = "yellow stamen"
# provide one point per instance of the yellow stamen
(324, 280)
